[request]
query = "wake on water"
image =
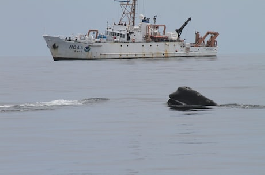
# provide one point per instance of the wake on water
(242, 106)
(49, 105)
(201, 108)
(55, 104)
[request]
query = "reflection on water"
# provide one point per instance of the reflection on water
(203, 108)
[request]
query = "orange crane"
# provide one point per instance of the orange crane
(210, 43)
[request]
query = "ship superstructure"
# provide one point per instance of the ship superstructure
(125, 39)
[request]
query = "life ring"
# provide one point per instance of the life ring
(133, 40)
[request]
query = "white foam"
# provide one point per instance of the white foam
(53, 103)
(47, 105)
(6, 106)
(62, 103)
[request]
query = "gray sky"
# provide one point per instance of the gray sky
(241, 23)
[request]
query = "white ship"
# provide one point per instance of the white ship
(125, 39)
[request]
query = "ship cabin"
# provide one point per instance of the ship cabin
(118, 33)
(144, 32)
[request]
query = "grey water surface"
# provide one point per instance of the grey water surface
(110, 117)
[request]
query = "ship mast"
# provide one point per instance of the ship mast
(133, 11)
(128, 11)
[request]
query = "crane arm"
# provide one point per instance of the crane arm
(179, 31)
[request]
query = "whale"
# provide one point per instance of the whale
(185, 98)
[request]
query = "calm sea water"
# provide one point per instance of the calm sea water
(110, 117)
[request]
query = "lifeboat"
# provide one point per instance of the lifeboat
(159, 38)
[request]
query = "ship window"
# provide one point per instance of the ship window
(142, 45)
(127, 45)
(150, 45)
(121, 45)
(118, 34)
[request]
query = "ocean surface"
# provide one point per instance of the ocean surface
(110, 117)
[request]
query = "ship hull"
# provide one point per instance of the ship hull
(62, 49)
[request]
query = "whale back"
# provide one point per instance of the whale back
(188, 96)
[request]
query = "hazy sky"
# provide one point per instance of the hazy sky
(241, 23)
